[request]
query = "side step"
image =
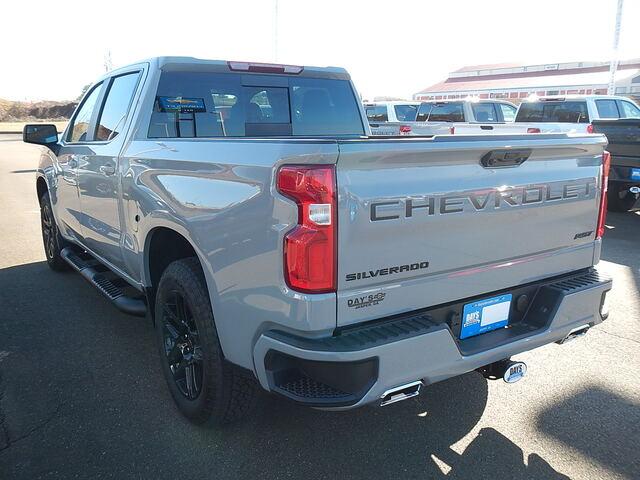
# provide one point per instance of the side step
(99, 276)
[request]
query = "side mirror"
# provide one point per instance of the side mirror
(40, 134)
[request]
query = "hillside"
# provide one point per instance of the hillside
(13, 111)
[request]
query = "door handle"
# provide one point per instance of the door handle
(107, 169)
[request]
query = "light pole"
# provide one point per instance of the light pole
(613, 66)
(275, 32)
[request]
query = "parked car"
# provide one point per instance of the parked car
(624, 144)
(396, 118)
(246, 211)
(573, 113)
(472, 116)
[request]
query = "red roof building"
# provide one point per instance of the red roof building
(514, 82)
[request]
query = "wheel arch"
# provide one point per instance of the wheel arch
(41, 186)
(164, 245)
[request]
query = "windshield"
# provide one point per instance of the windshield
(555, 112)
(202, 104)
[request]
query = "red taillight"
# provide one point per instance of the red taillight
(590, 128)
(604, 177)
(405, 129)
(533, 130)
(452, 130)
(310, 248)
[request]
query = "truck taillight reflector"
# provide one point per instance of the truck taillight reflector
(310, 251)
(604, 177)
(533, 130)
(590, 128)
(405, 129)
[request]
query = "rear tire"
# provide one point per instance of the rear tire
(620, 199)
(51, 238)
(205, 387)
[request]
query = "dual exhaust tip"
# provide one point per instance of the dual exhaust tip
(509, 370)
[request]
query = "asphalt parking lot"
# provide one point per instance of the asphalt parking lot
(82, 395)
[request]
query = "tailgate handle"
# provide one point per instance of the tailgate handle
(486, 127)
(505, 158)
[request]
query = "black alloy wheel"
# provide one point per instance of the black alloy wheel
(182, 346)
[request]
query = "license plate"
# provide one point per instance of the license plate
(485, 315)
(635, 174)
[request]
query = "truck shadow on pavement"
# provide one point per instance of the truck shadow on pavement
(82, 394)
(593, 418)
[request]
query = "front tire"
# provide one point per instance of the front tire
(51, 238)
(205, 387)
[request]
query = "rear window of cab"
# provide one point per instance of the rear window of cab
(204, 104)
(553, 112)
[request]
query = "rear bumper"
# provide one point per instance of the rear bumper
(360, 365)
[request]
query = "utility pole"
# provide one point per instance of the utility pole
(275, 32)
(108, 64)
(613, 66)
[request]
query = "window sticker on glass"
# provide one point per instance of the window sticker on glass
(181, 104)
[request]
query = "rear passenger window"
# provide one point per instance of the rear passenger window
(202, 104)
(406, 113)
(441, 112)
(508, 112)
(80, 126)
(376, 113)
(607, 109)
(629, 110)
(484, 112)
(115, 109)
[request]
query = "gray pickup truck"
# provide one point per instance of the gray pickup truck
(623, 135)
(247, 212)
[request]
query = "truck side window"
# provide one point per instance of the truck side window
(406, 113)
(116, 106)
(629, 110)
(508, 112)
(80, 124)
(484, 112)
(607, 109)
(376, 113)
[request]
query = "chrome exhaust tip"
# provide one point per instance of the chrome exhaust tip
(574, 334)
(400, 393)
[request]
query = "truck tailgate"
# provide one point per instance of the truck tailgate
(624, 139)
(423, 222)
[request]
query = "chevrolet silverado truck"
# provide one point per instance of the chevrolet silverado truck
(247, 212)
(623, 135)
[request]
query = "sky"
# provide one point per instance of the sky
(50, 50)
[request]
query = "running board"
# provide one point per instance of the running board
(90, 268)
